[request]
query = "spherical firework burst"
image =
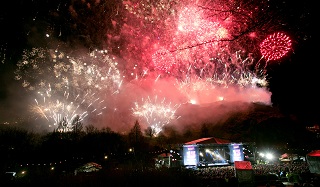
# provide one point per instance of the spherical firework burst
(36, 73)
(275, 46)
(177, 34)
(192, 31)
(200, 46)
(193, 44)
(155, 113)
(96, 71)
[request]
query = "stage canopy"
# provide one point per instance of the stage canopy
(313, 160)
(209, 140)
(315, 153)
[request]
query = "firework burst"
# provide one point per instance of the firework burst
(62, 81)
(155, 113)
(204, 51)
(53, 70)
(57, 108)
(275, 46)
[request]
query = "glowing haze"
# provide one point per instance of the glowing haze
(158, 57)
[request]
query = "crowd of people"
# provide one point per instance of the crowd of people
(296, 173)
(281, 169)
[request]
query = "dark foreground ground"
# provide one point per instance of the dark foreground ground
(122, 179)
(152, 177)
(167, 177)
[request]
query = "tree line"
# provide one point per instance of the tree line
(87, 142)
(19, 146)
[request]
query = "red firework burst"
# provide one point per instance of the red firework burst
(163, 60)
(275, 46)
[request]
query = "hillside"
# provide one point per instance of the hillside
(245, 122)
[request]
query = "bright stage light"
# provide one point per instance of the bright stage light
(269, 156)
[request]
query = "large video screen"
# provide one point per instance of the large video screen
(190, 155)
(236, 152)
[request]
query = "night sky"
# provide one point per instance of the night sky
(129, 60)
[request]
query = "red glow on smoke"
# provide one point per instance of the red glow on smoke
(253, 35)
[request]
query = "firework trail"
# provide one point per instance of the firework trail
(59, 78)
(97, 71)
(208, 47)
(191, 42)
(155, 113)
(56, 108)
(193, 51)
(53, 70)
(187, 34)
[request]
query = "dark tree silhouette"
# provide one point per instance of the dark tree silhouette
(204, 131)
(135, 135)
(91, 129)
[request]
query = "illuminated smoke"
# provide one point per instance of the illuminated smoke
(195, 52)
(68, 85)
(155, 113)
(56, 108)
